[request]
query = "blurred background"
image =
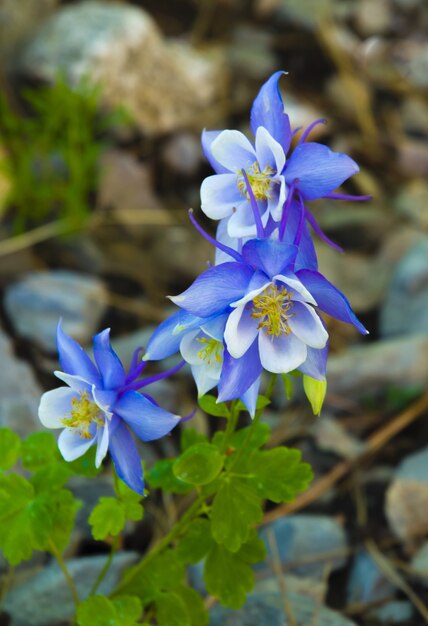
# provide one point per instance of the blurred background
(101, 109)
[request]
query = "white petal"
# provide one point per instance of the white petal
(233, 150)
(204, 382)
(55, 405)
(277, 199)
(283, 354)
(292, 281)
(251, 295)
(75, 382)
(220, 195)
(269, 151)
(307, 326)
(72, 445)
(102, 444)
(189, 348)
(241, 223)
(240, 331)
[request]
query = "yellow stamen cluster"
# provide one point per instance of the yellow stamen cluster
(212, 350)
(82, 414)
(260, 182)
(272, 309)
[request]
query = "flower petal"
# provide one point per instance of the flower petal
(189, 347)
(204, 382)
(282, 354)
(102, 444)
(249, 398)
(316, 363)
(242, 223)
(330, 299)
(307, 326)
(269, 152)
(277, 198)
(241, 331)
(72, 445)
(213, 291)
(233, 151)
(73, 358)
(75, 382)
(223, 237)
(126, 458)
(215, 327)
(268, 111)
(111, 369)
(318, 169)
(207, 138)
(55, 405)
(166, 339)
(299, 290)
(147, 420)
(239, 374)
(220, 195)
(271, 256)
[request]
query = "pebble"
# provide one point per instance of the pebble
(367, 583)
(39, 300)
(45, 598)
(394, 612)
(164, 85)
(405, 308)
(19, 392)
(299, 537)
(419, 563)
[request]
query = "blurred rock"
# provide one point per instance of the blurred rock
(413, 157)
(163, 85)
(251, 52)
(367, 583)
(182, 153)
(371, 367)
(405, 309)
(126, 184)
(412, 203)
(18, 20)
(311, 587)
(411, 59)
(19, 392)
(374, 18)
(300, 537)
(419, 563)
(268, 610)
(88, 492)
(414, 113)
(302, 113)
(45, 597)
(331, 436)
(407, 498)
(302, 13)
(36, 303)
(395, 612)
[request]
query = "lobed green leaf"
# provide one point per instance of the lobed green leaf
(196, 543)
(10, 446)
(228, 577)
(100, 611)
(161, 476)
(280, 474)
(199, 465)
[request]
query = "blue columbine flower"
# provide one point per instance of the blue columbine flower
(310, 172)
(101, 405)
(262, 309)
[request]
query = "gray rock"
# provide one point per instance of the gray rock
(371, 367)
(395, 612)
(45, 598)
(36, 303)
(414, 467)
(163, 85)
(412, 202)
(19, 392)
(18, 20)
(405, 309)
(182, 153)
(268, 610)
(367, 583)
(419, 563)
(299, 537)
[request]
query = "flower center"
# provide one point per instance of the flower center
(83, 413)
(212, 350)
(272, 309)
(260, 182)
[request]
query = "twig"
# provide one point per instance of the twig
(373, 444)
(277, 569)
(70, 582)
(37, 235)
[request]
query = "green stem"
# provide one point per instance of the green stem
(106, 566)
(192, 512)
(70, 582)
(231, 425)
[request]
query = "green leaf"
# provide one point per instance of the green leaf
(209, 404)
(63, 509)
(315, 391)
(107, 518)
(164, 573)
(190, 436)
(39, 450)
(260, 434)
(10, 446)
(199, 465)
(85, 465)
(280, 473)
(194, 605)
(131, 501)
(228, 577)
(236, 507)
(196, 543)
(100, 611)
(254, 550)
(161, 476)
(51, 477)
(171, 610)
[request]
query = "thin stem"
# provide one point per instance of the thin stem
(231, 425)
(70, 582)
(7, 581)
(192, 511)
(105, 568)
